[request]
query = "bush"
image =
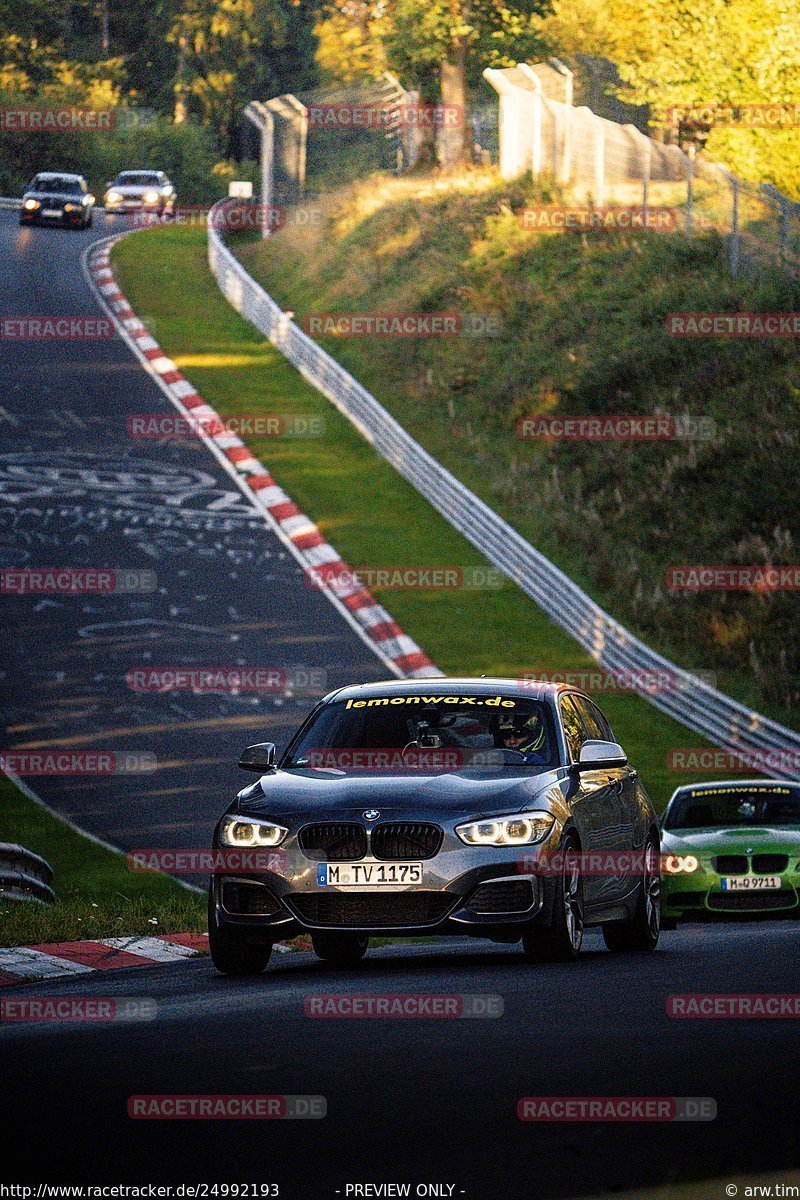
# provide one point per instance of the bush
(187, 152)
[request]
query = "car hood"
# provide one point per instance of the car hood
(61, 197)
(326, 795)
(734, 840)
(134, 191)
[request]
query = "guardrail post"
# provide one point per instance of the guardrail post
(735, 236)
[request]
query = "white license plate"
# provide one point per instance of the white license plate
(369, 875)
(52, 212)
(751, 883)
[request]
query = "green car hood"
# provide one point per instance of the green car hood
(773, 839)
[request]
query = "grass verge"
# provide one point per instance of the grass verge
(97, 896)
(369, 513)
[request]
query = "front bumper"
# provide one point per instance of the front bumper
(700, 895)
(138, 204)
(486, 892)
(36, 217)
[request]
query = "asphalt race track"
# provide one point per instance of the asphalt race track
(408, 1100)
(412, 1100)
(77, 491)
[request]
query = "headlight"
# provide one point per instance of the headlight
(31, 204)
(114, 197)
(251, 831)
(151, 197)
(70, 207)
(676, 864)
(521, 830)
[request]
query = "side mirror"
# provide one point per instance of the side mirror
(109, 183)
(596, 755)
(260, 757)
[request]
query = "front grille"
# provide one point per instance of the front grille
(753, 901)
(329, 842)
(508, 896)
(370, 910)
(770, 864)
(248, 899)
(406, 840)
(730, 864)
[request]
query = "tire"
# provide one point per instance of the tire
(230, 953)
(561, 941)
(641, 932)
(340, 949)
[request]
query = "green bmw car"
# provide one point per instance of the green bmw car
(731, 849)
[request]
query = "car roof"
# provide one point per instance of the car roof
(57, 175)
(152, 171)
(438, 685)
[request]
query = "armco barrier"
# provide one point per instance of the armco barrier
(24, 875)
(691, 702)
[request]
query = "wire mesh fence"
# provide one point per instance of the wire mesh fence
(607, 163)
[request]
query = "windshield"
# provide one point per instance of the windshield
(138, 179)
(427, 733)
(57, 183)
(714, 808)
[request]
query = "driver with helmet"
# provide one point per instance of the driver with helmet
(525, 734)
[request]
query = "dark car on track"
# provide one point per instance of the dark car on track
(438, 806)
(55, 197)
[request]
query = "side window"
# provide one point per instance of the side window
(573, 727)
(608, 732)
(593, 724)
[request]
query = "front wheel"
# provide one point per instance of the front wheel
(642, 930)
(341, 949)
(562, 940)
(230, 953)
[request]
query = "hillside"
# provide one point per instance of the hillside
(582, 332)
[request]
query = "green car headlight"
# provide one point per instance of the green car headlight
(251, 831)
(522, 829)
(678, 864)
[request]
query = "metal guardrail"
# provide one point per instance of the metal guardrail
(10, 202)
(24, 875)
(773, 749)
